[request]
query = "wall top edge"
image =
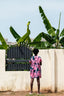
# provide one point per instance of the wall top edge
(51, 49)
(2, 49)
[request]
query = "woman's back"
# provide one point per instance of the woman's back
(35, 67)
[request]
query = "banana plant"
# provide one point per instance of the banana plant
(37, 43)
(3, 45)
(24, 39)
(53, 35)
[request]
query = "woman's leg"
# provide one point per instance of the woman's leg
(31, 84)
(38, 83)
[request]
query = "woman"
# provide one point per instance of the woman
(35, 69)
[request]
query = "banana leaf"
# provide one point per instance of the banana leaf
(28, 40)
(38, 38)
(58, 30)
(40, 44)
(28, 24)
(48, 38)
(49, 45)
(54, 28)
(59, 21)
(26, 36)
(62, 41)
(57, 35)
(51, 32)
(46, 21)
(14, 33)
(4, 45)
(28, 31)
(22, 39)
(62, 33)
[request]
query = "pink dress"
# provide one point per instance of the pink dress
(35, 67)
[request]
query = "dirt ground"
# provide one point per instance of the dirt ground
(21, 93)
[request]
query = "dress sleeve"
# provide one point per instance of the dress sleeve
(30, 61)
(40, 60)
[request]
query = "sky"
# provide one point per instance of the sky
(17, 13)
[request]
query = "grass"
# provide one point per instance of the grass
(34, 94)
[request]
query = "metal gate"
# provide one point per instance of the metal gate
(18, 58)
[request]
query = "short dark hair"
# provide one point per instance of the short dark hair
(35, 51)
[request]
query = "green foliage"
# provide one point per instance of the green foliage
(46, 22)
(4, 45)
(38, 38)
(28, 40)
(25, 38)
(22, 39)
(39, 45)
(44, 18)
(48, 38)
(62, 33)
(62, 41)
(59, 21)
(14, 33)
(52, 37)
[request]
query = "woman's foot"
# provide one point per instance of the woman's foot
(30, 92)
(39, 93)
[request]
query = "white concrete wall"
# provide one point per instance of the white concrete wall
(52, 73)
(47, 80)
(59, 66)
(2, 60)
